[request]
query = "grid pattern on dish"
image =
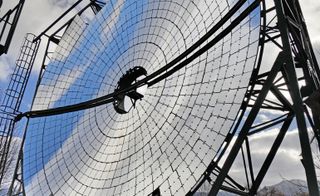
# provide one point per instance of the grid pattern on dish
(174, 132)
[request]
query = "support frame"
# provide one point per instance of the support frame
(291, 37)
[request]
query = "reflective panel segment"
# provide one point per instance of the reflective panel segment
(169, 139)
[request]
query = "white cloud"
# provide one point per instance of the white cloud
(6, 67)
(311, 12)
(62, 3)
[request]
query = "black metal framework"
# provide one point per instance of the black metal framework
(8, 23)
(11, 102)
(125, 81)
(283, 27)
(54, 38)
(95, 6)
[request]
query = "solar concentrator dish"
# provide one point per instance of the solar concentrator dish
(169, 138)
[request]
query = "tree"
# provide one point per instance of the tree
(10, 162)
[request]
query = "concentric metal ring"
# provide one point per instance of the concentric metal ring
(168, 141)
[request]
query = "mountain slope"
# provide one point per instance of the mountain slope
(286, 188)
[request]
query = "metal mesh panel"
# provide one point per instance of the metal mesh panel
(173, 133)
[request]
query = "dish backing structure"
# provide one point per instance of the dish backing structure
(146, 98)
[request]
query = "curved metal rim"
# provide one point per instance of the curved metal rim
(108, 98)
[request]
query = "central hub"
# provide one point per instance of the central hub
(124, 102)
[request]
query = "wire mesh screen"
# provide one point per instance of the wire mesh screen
(168, 140)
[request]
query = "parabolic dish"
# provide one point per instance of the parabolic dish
(168, 140)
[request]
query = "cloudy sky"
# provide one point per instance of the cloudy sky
(38, 14)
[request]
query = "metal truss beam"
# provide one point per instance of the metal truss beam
(247, 125)
(289, 72)
(10, 21)
(290, 36)
(272, 153)
(95, 5)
